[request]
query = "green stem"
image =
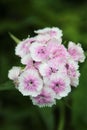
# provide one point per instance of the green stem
(62, 117)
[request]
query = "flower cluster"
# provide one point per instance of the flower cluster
(50, 69)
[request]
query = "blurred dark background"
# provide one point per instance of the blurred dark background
(21, 18)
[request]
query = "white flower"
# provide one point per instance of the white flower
(14, 73)
(23, 48)
(76, 51)
(44, 35)
(30, 83)
(38, 52)
(60, 84)
(45, 98)
(55, 49)
(54, 32)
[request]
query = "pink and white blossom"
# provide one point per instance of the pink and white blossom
(56, 50)
(76, 51)
(38, 52)
(30, 83)
(52, 32)
(60, 84)
(45, 98)
(23, 47)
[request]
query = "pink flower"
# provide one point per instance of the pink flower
(45, 98)
(76, 51)
(23, 47)
(30, 83)
(60, 84)
(38, 52)
(56, 50)
(53, 32)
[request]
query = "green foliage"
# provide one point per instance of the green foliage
(79, 111)
(7, 86)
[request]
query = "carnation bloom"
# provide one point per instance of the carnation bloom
(45, 98)
(30, 83)
(46, 34)
(76, 51)
(60, 84)
(52, 32)
(56, 50)
(23, 47)
(38, 52)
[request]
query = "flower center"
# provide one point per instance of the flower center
(31, 83)
(67, 66)
(53, 70)
(57, 84)
(41, 51)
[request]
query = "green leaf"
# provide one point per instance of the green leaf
(14, 38)
(79, 108)
(7, 86)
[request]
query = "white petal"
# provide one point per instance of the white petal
(23, 48)
(27, 60)
(43, 69)
(75, 80)
(45, 30)
(14, 73)
(66, 91)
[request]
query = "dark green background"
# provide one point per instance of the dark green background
(22, 17)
